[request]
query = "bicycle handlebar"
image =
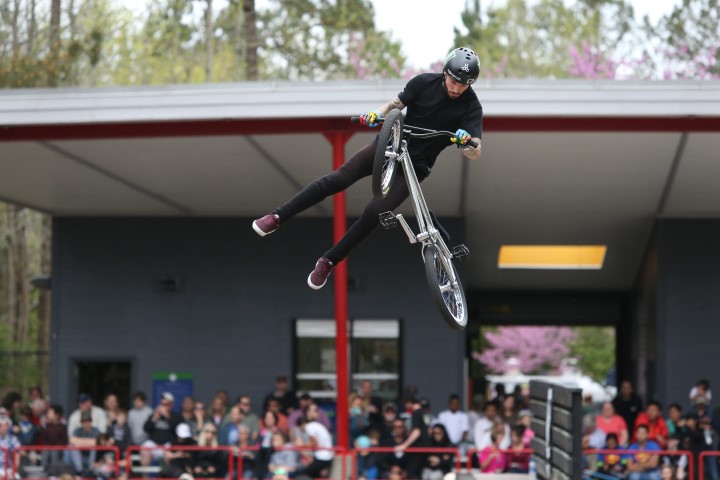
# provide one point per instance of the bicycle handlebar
(427, 133)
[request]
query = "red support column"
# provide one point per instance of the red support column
(338, 140)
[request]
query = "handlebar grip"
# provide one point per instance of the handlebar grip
(355, 119)
(473, 143)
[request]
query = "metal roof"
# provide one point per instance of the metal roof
(261, 100)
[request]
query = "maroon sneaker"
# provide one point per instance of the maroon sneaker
(320, 274)
(267, 224)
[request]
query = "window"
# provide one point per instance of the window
(374, 355)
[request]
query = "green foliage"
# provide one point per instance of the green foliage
(523, 39)
(594, 349)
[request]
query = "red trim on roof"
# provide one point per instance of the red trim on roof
(320, 125)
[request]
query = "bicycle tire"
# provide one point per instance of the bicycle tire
(452, 303)
(384, 168)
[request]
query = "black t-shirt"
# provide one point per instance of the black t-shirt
(417, 421)
(628, 409)
(163, 430)
(429, 106)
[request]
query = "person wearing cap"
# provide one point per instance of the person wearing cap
(85, 404)
(160, 427)
(178, 462)
(84, 436)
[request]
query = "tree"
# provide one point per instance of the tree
(594, 349)
(537, 349)
(315, 39)
(523, 39)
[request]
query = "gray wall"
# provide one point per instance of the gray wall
(688, 328)
(231, 323)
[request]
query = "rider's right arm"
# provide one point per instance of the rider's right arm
(394, 103)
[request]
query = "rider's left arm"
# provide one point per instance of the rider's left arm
(473, 153)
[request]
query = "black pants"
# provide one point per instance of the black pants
(359, 166)
(315, 469)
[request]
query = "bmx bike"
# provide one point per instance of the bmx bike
(390, 155)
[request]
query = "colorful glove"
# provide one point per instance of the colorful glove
(461, 138)
(370, 119)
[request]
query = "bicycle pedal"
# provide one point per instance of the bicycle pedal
(461, 252)
(388, 220)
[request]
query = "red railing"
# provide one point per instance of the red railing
(229, 451)
(475, 451)
(659, 453)
(409, 450)
(64, 448)
(701, 462)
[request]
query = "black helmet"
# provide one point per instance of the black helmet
(463, 65)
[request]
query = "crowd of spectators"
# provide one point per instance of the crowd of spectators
(292, 436)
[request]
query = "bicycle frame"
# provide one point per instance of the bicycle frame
(427, 234)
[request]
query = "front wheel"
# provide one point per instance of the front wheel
(450, 299)
(385, 164)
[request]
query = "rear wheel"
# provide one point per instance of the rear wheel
(385, 164)
(450, 299)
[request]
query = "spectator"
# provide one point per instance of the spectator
(305, 400)
(283, 455)
(509, 411)
(112, 406)
(54, 433)
(367, 461)
(417, 438)
(517, 459)
(677, 462)
(319, 438)
(137, 416)
(282, 419)
(217, 411)
(12, 402)
(25, 430)
(485, 426)
(610, 422)
(38, 408)
(475, 414)
(250, 418)
(702, 388)
(229, 431)
(179, 461)
(187, 409)
(455, 421)
(209, 463)
(246, 444)
(398, 436)
(162, 428)
(709, 443)
(389, 414)
(642, 465)
(441, 463)
(371, 402)
(492, 458)
(652, 418)
(84, 436)
(674, 418)
(627, 404)
(97, 414)
(612, 464)
(35, 393)
(701, 409)
(268, 427)
(104, 465)
(198, 419)
(357, 416)
(120, 431)
(282, 393)
(8, 443)
(525, 419)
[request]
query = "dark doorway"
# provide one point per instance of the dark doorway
(100, 378)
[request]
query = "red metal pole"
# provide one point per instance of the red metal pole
(338, 140)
